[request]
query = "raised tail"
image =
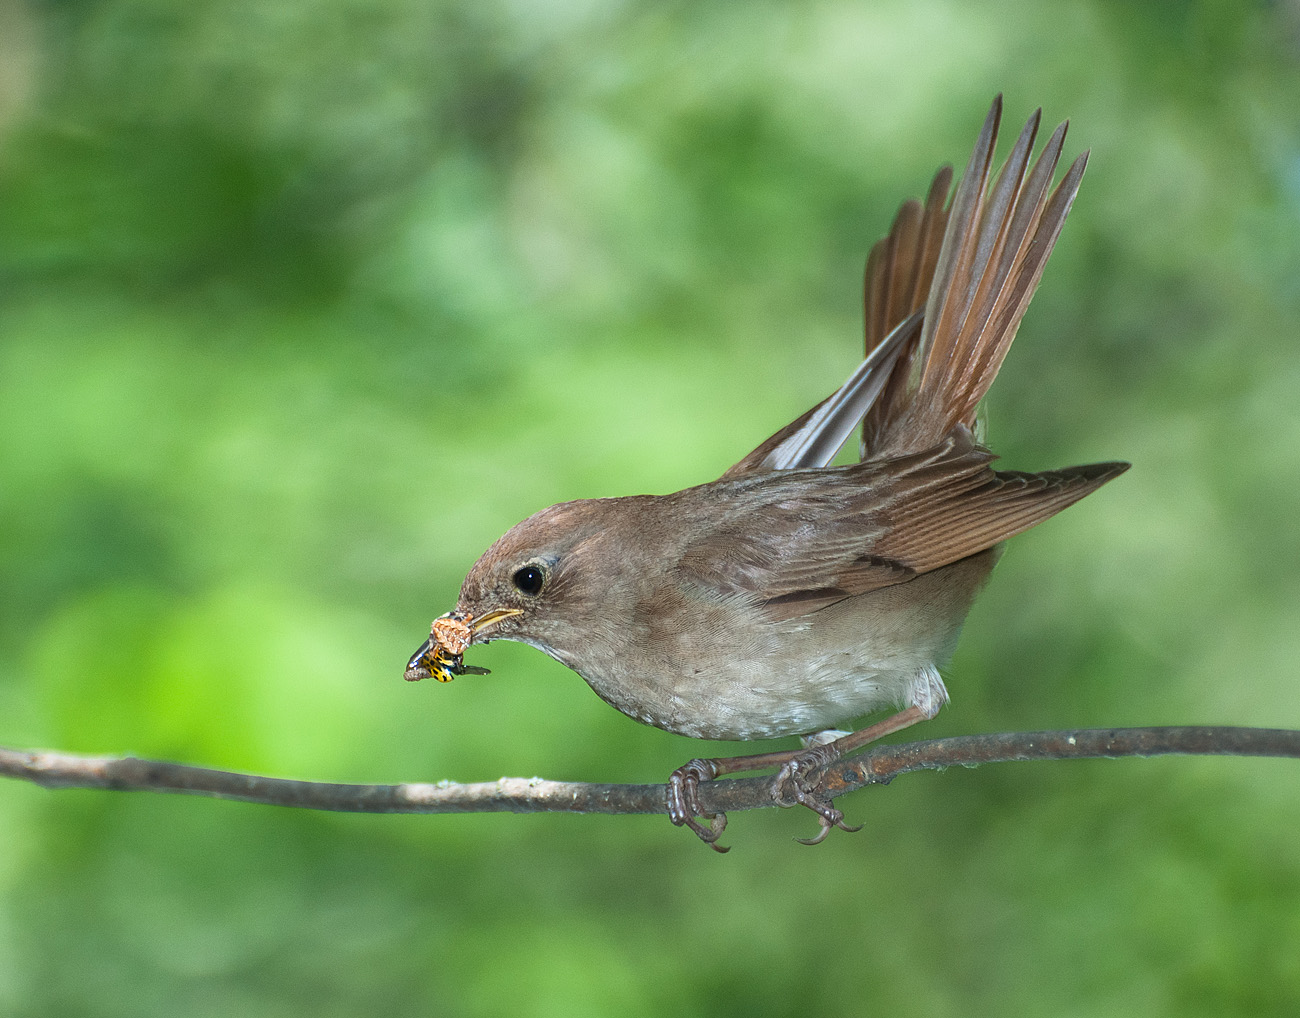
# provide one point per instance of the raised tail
(944, 293)
(995, 244)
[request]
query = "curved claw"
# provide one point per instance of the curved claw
(820, 836)
(826, 825)
(796, 784)
(710, 835)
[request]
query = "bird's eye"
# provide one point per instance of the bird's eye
(529, 579)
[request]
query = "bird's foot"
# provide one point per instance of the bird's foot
(798, 783)
(684, 802)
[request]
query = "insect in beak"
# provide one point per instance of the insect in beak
(441, 656)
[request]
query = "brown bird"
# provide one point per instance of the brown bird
(790, 596)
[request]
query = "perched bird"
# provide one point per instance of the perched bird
(790, 596)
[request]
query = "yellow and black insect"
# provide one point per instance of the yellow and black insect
(433, 661)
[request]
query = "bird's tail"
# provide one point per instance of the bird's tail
(973, 284)
(944, 295)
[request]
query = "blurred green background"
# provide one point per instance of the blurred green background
(301, 305)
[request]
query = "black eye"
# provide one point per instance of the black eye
(529, 579)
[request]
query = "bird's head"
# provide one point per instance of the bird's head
(540, 584)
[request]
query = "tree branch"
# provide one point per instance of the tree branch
(878, 765)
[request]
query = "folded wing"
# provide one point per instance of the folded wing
(796, 541)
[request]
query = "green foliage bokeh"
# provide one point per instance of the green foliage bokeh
(301, 305)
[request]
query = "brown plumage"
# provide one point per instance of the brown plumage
(791, 596)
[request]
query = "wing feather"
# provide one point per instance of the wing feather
(795, 541)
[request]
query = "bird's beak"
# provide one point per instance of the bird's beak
(491, 618)
(441, 655)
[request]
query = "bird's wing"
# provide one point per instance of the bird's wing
(797, 541)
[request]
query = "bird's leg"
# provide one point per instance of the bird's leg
(796, 781)
(798, 776)
(684, 785)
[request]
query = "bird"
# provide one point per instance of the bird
(792, 595)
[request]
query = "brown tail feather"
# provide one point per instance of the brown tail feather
(995, 245)
(900, 271)
(971, 269)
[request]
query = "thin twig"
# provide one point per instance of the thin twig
(879, 765)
